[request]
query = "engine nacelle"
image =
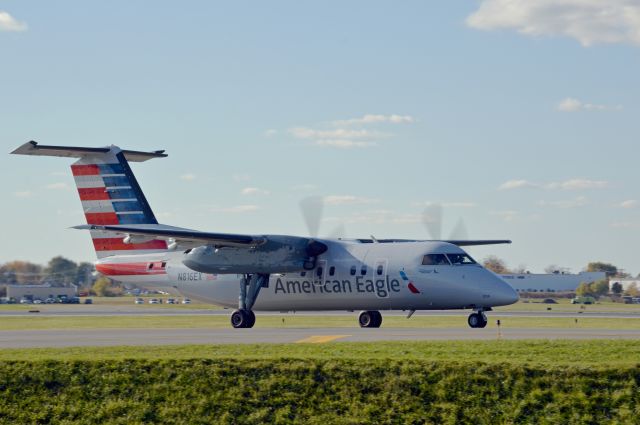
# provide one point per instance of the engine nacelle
(280, 254)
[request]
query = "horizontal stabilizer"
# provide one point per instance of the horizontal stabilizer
(179, 234)
(33, 148)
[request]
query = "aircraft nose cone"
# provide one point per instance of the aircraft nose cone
(506, 294)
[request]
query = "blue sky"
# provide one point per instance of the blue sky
(519, 117)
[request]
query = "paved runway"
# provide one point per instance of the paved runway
(112, 337)
(126, 310)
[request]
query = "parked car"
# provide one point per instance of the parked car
(583, 300)
(88, 301)
(37, 301)
(154, 301)
(171, 301)
(186, 301)
(26, 301)
(139, 301)
(50, 300)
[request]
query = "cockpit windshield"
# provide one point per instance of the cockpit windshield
(435, 260)
(460, 259)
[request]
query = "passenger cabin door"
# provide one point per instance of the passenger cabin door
(380, 278)
(320, 272)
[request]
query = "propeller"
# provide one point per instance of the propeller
(432, 218)
(312, 209)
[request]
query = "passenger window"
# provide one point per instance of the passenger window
(150, 266)
(379, 271)
(303, 274)
(435, 260)
(363, 270)
(164, 264)
(319, 272)
(460, 259)
(332, 271)
(353, 270)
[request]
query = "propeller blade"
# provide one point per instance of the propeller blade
(432, 220)
(311, 208)
(460, 231)
(339, 232)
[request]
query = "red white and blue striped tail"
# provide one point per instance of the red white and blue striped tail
(109, 192)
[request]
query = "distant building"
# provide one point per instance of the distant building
(554, 282)
(626, 283)
(39, 292)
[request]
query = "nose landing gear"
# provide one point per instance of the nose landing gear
(370, 319)
(477, 320)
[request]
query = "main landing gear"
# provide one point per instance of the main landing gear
(477, 319)
(370, 319)
(250, 286)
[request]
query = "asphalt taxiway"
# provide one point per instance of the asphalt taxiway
(114, 337)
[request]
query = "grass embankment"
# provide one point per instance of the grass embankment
(153, 321)
(459, 382)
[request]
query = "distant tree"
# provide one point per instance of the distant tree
(521, 269)
(60, 271)
(496, 265)
(20, 273)
(599, 288)
(632, 290)
(616, 288)
(584, 290)
(101, 287)
(84, 274)
(597, 266)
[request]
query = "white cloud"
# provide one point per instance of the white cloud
(23, 194)
(577, 184)
(238, 209)
(571, 184)
(188, 177)
(376, 118)
(270, 132)
(348, 200)
(588, 21)
(254, 191)
(343, 143)
(580, 201)
(57, 186)
(508, 215)
(339, 133)
(570, 104)
(631, 203)
(9, 23)
(516, 184)
(450, 204)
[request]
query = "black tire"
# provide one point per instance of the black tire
(365, 319)
(241, 319)
(251, 319)
(377, 319)
(473, 320)
(483, 320)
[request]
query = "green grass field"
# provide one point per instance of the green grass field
(590, 354)
(537, 382)
(297, 321)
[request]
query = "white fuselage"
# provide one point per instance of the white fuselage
(350, 276)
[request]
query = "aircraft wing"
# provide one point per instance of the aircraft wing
(179, 234)
(478, 242)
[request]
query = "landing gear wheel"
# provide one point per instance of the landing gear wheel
(370, 319)
(243, 319)
(477, 320)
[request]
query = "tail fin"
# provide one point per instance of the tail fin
(109, 192)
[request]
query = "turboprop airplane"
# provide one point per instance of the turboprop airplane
(268, 272)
